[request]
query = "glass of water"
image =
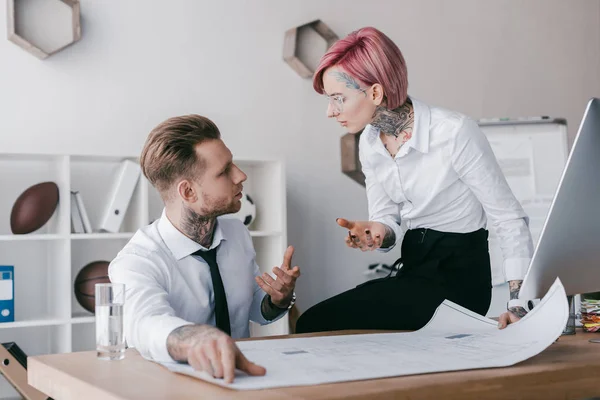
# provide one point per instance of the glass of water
(110, 343)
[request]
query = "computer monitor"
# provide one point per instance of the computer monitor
(569, 245)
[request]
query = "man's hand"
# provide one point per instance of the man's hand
(211, 350)
(281, 289)
(367, 235)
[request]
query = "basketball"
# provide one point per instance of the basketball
(85, 283)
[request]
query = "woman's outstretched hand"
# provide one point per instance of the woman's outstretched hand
(363, 235)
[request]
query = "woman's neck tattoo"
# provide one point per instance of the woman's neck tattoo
(394, 122)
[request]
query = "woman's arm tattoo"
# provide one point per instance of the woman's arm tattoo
(514, 287)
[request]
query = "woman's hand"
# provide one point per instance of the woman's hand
(514, 313)
(366, 235)
(507, 318)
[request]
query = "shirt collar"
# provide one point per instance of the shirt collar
(420, 138)
(180, 245)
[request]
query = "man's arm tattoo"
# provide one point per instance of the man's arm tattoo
(183, 338)
(389, 238)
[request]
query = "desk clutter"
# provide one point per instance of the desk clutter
(590, 312)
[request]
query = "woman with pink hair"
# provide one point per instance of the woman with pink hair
(430, 168)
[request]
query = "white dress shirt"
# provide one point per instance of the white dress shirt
(166, 287)
(446, 178)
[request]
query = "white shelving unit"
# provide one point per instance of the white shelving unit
(48, 318)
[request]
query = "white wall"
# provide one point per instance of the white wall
(140, 62)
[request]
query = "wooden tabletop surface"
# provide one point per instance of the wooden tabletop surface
(568, 369)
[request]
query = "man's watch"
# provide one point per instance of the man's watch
(292, 302)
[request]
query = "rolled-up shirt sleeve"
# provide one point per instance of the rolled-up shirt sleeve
(476, 165)
(381, 207)
(148, 318)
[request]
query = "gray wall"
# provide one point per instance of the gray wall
(140, 62)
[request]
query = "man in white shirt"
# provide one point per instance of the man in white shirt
(192, 283)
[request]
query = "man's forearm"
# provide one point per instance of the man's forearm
(183, 338)
(269, 310)
(389, 238)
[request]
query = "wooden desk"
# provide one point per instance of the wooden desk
(568, 369)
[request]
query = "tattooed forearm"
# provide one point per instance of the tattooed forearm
(394, 122)
(349, 81)
(269, 310)
(197, 227)
(181, 339)
(518, 311)
(514, 287)
(389, 238)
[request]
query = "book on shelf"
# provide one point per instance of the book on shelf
(76, 221)
(87, 226)
(80, 222)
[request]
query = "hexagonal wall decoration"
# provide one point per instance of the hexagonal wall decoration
(291, 45)
(18, 39)
(350, 162)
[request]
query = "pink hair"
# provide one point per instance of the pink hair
(371, 57)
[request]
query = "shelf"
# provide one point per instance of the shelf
(41, 236)
(265, 233)
(47, 261)
(33, 322)
(48, 322)
(83, 320)
(90, 236)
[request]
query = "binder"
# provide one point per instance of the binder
(120, 195)
(7, 291)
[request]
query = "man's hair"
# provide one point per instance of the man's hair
(371, 57)
(170, 154)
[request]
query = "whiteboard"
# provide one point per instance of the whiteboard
(532, 157)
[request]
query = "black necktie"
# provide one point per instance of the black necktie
(221, 310)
